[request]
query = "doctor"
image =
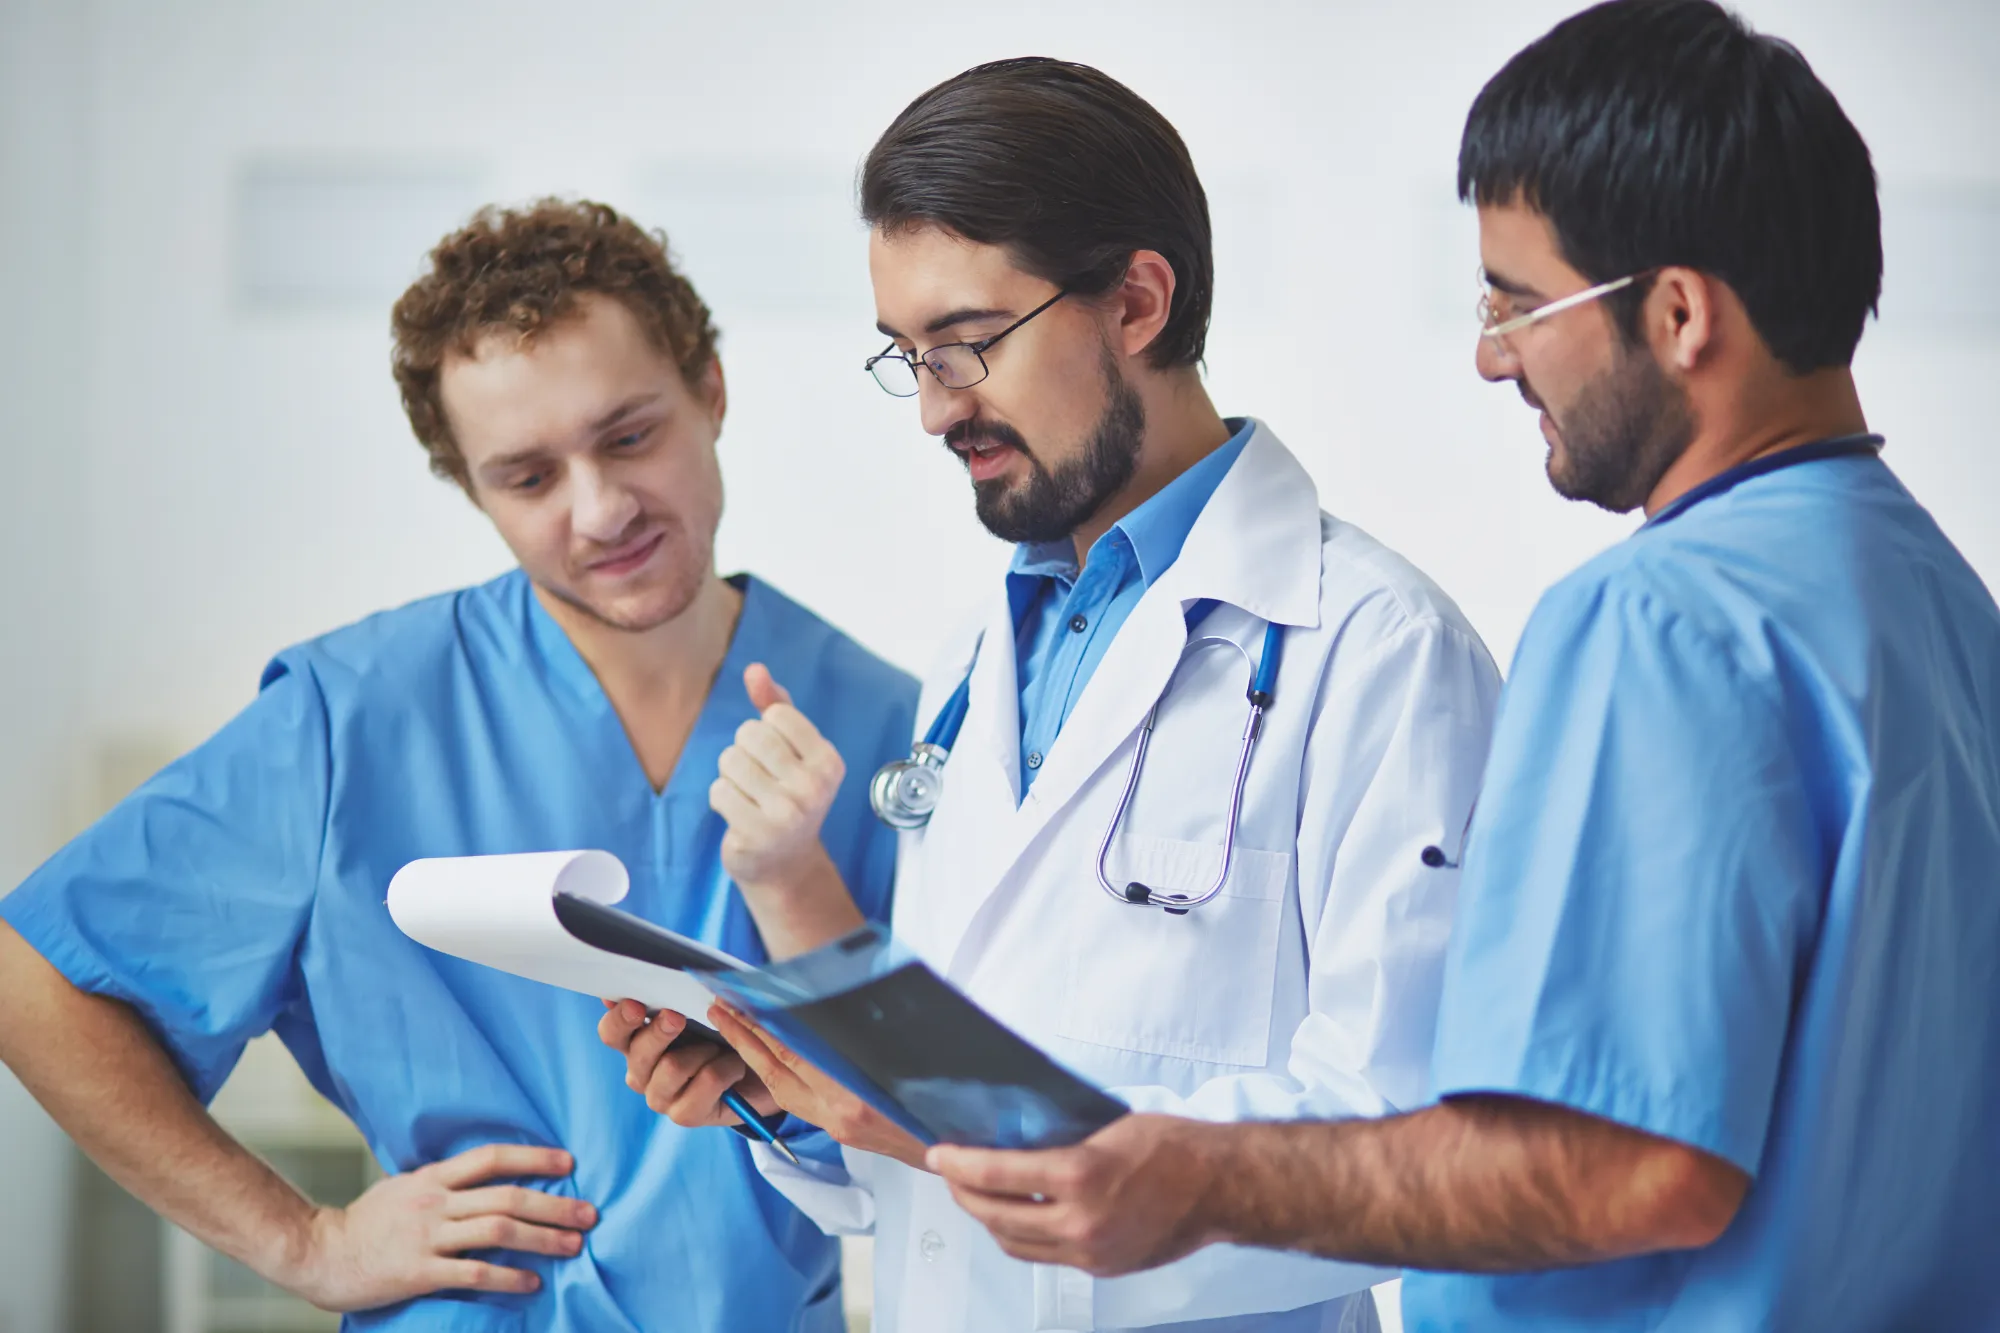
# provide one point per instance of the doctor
(1041, 264)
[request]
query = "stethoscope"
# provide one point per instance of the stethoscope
(905, 792)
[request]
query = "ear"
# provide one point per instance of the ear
(714, 394)
(1144, 301)
(1682, 316)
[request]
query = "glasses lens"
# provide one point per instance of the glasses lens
(895, 375)
(955, 365)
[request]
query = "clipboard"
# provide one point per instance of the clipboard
(864, 1009)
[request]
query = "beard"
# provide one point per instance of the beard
(1054, 502)
(1621, 433)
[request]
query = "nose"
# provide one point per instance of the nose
(1494, 360)
(941, 408)
(601, 510)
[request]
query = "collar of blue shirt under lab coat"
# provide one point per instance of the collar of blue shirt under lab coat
(1154, 532)
(1242, 526)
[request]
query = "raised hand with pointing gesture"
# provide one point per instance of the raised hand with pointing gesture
(773, 788)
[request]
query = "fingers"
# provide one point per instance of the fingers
(622, 1019)
(493, 1231)
(648, 1045)
(784, 1084)
(749, 1041)
(517, 1201)
(771, 794)
(499, 1159)
(763, 688)
(780, 1052)
(1021, 1175)
(1020, 1221)
(476, 1275)
(689, 1091)
(799, 735)
(737, 810)
(783, 750)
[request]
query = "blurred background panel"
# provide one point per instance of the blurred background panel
(206, 208)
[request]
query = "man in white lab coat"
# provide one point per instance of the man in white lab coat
(1041, 262)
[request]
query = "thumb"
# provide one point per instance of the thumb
(763, 690)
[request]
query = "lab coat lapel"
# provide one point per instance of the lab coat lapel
(969, 844)
(1255, 545)
(1131, 675)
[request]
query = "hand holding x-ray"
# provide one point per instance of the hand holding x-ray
(809, 1094)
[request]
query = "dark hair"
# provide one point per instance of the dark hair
(1658, 132)
(524, 270)
(1063, 165)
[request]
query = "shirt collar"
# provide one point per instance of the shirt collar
(1839, 446)
(1156, 530)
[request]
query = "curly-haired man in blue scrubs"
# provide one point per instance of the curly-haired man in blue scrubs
(556, 366)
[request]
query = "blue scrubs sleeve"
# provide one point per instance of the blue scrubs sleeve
(188, 900)
(1641, 886)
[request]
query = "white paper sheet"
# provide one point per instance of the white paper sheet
(499, 911)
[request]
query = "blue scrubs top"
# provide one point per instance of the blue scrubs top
(1735, 881)
(1069, 616)
(241, 891)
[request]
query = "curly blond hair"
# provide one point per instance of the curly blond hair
(524, 270)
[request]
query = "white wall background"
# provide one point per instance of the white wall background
(205, 460)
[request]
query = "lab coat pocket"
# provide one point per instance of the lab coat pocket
(1197, 987)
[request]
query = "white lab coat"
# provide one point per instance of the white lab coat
(1308, 989)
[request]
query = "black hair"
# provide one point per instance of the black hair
(1067, 168)
(1666, 132)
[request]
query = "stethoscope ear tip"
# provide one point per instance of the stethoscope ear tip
(1138, 893)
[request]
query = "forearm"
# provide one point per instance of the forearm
(809, 908)
(99, 1072)
(1480, 1184)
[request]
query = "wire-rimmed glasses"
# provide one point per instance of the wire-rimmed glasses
(1496, 323)
(955, 365)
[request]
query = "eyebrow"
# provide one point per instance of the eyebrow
(1501, 283)
(536, 452)
(949, 318)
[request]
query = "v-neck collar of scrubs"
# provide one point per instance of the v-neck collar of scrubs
(725, 709)
(1840, 446)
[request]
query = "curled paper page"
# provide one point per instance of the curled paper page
(500, 911)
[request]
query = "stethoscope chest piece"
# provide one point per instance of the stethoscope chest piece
(904, 793)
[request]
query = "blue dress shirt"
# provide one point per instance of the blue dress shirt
(1068, 617)
(1735, 881)
(241, 891)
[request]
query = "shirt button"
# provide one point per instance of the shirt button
(1034, 759)
(1078, 624)
(931, 1246)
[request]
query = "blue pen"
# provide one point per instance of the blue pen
(733, 1099)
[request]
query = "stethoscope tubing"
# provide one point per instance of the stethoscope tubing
(925, 766)
(1263, 675)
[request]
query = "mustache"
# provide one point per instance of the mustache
(968, 433)
(1528, 395)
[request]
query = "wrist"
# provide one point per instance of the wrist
(810, 875)
(297, 1251)
(1213, 1154)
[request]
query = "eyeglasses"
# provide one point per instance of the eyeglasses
(1494, 323)
(955, 365)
